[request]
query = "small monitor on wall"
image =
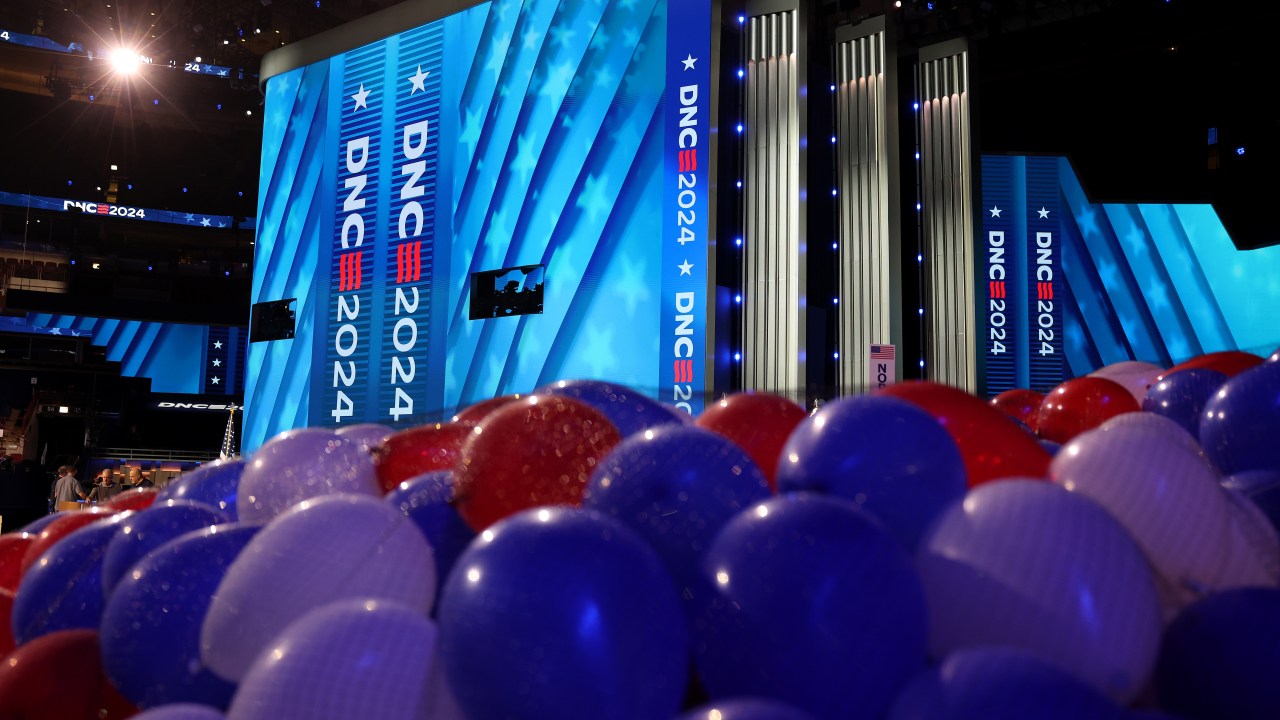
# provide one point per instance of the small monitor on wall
(507, 292)
(274, 320)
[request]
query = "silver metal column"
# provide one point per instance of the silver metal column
(867, 181)
(773, 187)
(948, 167)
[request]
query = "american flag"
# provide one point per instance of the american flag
(229, 437)
(882, 352)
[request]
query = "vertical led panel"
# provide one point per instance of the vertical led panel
(867, 182)
(947, 170)
(774, 278)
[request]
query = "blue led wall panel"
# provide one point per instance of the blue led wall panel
(1154, 282)
(129, 212)
(572, 134)
(178, 358)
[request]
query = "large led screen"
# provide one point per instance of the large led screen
(1073, 285)
(569, 135)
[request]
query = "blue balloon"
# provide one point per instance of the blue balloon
(563, 613)
(146, 531)
(885, 454)
(150, 633)
(747, 709)
(1050, 446)
(1181, 396)
(427, 500)
(1260, 486)
(628, 410)
(1000, 683)
(816, 605)
(215, 484)
(676, 486)
(1221, 656)
(63, 590)
(1241, 422)
(35, 527)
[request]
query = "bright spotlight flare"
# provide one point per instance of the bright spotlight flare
(125, 62)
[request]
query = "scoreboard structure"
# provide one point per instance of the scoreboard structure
(473, 199)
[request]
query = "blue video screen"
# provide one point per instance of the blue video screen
(571, 136)
(1072, 285)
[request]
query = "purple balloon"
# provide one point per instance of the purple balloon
(1000, 683)
(427, 500)
(676, 486)
(146, 531)
(1181, 396)
(628, 410)
(1025, 563)
(746, 709)
(366, 435)
(331, 548)
(150, 632)
(1241, 422)
(297, 465)
(351, 659)
(214, 484)
(63, 589)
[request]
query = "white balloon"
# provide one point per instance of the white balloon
(1163, 492)
(1026, 564)
(323, 550)
(350, 659)
(180, 711)
(1157, 424)
(300, 464)
(1254, 556)
(1135, 376)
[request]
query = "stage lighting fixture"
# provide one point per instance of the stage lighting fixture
(114, 168)
(96, 266)
(124, 62)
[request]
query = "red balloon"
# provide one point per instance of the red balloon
(12, 547)
(473, 415)
(991, 445)
(423, 449)
(58, 529)
(757, 422)
(1020, 404)
(59, 677)
(540, 450)
(1082, 404)
(1227, 362)
(6, 624)
(135, 499)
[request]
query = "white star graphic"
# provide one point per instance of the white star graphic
(995, 211)
(1044, 214)
(361, 98)
(686, 268)
(55, 331)
(418, 79)
(217, 345)
(689, 61)
(204, 222)
(190, 218)
(75, 333)
(215, 379)
(217, 362)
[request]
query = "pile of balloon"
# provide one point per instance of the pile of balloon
(1105, 550)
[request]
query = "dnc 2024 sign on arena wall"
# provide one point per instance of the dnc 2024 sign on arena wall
(561, 147)
(1069, 285)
